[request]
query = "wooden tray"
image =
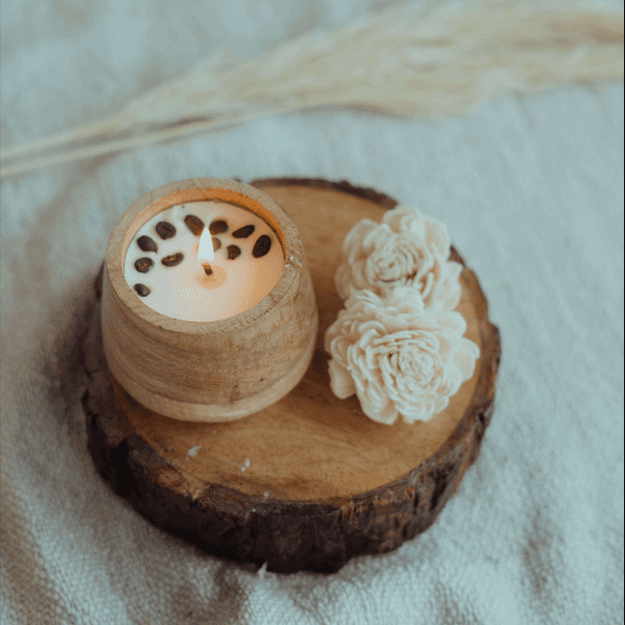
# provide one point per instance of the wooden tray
(308, 482)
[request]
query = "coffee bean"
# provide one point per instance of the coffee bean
(142, 290)
(216, 244)
(219, 226)
(143, 265)
(243, 233)
(195, 224)
(233, 252)
(165, 230)
(262, 246)
(146, 244)
(173, 259)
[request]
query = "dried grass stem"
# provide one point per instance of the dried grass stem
(433, 61)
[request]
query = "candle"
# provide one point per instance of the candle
(203, 261)
(208, 308)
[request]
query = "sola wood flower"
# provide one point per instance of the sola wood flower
(397, 357)
(406, 249)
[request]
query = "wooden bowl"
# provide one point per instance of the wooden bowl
(209, 370)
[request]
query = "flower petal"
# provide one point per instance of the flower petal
(343, 281)
(341, 382)
(386, 413)
(437, 237)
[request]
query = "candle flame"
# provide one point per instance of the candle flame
(205, 253)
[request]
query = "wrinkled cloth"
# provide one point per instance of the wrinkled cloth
(532, 194)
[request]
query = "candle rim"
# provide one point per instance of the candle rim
(203, 189)
(202, 194)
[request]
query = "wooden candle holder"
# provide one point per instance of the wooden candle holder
(309, 482)
(212, 370)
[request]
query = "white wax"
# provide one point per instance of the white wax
(185, 291)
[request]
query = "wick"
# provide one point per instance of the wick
(213, 277)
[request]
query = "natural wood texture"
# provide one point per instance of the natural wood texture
(217, 370)
(308, 482)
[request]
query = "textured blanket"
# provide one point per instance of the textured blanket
(532, 193)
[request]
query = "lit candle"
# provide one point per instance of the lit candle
(213, 327)
(203, 261)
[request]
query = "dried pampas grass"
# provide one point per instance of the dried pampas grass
(428, 61)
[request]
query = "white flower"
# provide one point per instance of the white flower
(397, 357)
(406, 249)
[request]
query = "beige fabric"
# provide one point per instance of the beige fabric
(532, 194)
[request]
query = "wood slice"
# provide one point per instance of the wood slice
(309, 482)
